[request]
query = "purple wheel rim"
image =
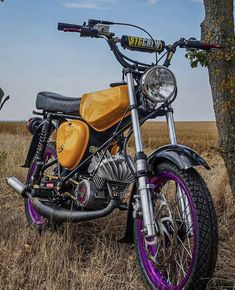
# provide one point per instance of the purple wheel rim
(36, 218)
(152, 273)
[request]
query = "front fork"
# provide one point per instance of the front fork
(181, 200)
(141, 162)
(171, 126)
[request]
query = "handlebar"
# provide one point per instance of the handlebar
(142, 44)
(133, 42)
(100, 28)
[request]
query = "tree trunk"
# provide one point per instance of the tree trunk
(218, 27)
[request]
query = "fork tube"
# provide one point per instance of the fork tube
(185, 212)
(141, 163)
(171, 126)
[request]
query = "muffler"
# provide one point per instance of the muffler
(58, 214)
(16, 184)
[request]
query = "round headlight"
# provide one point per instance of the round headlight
(158, 84)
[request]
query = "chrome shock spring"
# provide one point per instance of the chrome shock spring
(42, 143)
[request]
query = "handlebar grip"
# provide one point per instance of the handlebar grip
(63, 26)
(193, 44)
(84, 31)
(201, 45)
(142, 44)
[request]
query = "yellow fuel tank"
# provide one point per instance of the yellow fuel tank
(71, 143)
(102, 109)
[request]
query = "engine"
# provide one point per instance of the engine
(89, 196)
(112, 171)
(111, 176)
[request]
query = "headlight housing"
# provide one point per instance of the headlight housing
(159, 84)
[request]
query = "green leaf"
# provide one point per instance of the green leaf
(196, 58)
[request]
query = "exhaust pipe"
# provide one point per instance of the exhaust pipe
(16, 184)
(58, 214)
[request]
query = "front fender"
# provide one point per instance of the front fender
(181, 155)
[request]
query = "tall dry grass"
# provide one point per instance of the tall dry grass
(88, 256)
(13, 127)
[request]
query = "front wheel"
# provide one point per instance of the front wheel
(183, 253)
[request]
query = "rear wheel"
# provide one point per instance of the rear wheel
(183, 254)
(34, 218)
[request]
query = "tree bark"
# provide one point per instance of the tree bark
(218, 27)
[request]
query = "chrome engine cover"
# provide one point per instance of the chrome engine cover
(112, 172)
(112, 168)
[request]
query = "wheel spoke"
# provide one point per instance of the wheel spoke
(180, 265)
(190, 254)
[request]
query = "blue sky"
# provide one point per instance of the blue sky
(35, 57)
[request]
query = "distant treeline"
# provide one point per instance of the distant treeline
(13, 127)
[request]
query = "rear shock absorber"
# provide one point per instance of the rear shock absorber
(42, 143)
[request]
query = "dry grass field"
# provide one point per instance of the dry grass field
(87, 256)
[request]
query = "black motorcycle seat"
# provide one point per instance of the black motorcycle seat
(53, 102)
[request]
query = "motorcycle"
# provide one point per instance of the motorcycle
(3, 100)
(86, 173)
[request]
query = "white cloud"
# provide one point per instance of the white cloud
(101, 4)
(89, 4)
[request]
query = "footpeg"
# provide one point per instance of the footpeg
(123, 206)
